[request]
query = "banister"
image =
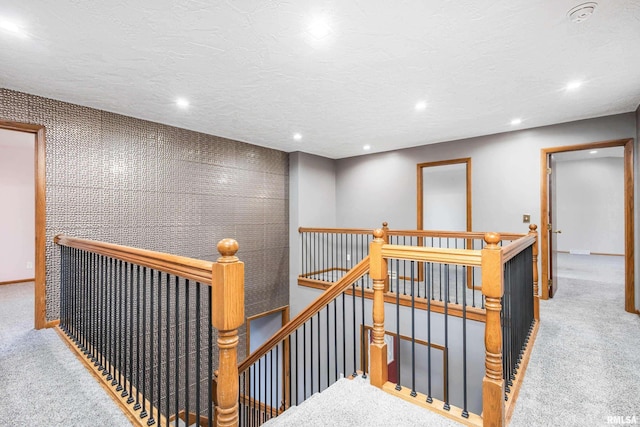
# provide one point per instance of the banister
(335, 230)
(427, 254)
(517, 246)
(451, 234)
(327, 296)
(412, 233)
(188, 268)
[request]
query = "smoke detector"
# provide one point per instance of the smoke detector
(582, 12)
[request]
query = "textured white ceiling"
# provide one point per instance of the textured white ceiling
(252, 71)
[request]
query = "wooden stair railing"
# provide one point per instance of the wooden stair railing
(327, 296)
(88, 294)
(491, 259)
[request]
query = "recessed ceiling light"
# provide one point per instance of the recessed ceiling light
(12, 27)
(593, 151)
(182, 103)
(516, 122)
(421, 105)
(319, 27)
(297, 136)
(574, 85)
(366, 147)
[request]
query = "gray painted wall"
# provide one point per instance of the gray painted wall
(590, 205)
(505, 176)
(312, 204)
(143, 184)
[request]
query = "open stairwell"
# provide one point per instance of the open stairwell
(131, 314)
(355, 402)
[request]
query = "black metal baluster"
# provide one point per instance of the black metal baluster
(268, 383)
(277, 381)
(446, 406)
(335, 341)
(362, 336)
(152, 349)
(130, 398)
(260, 414)
(397, 337)
(456, 279)
(177, 347)
(159, 365)
(326, 255)
(137, 405)
(110, 322)
(353, 298)
(93, 306)
(186, 346)
(252, 400)
(413, 335)
(311, 355)
(465, 412)
(168, 351)
(198, 349)
(304, 361)
(319, 362)
(295, 359)
(328, 345)
(287, 392)
(344, 337)
(120, 318)
(85, 303)
(101, 298)
(144, 413)
(428, 277)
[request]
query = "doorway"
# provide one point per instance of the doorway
(38, 133)
(549, 231)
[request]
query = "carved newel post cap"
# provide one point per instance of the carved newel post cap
(492, 239)
(533, 227)
(378, 233)
(228, 248)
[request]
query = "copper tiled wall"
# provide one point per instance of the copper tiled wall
(133, 182)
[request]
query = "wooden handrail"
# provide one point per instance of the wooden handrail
(451, 234)
(336, 230)
(188, 268)
(517, 246)
(412, 233)
(327, 296)
(440, 255)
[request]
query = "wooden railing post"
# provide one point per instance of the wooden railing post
(227, 301)
(533, 230)
(493, 413)
(378, 273)
(385, 237)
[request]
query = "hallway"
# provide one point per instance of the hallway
(44, 383)
(585, 365)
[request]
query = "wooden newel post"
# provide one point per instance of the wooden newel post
(227, 301)
(533, 230)
(378, 273)
(493, 413)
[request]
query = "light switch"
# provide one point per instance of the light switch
(526, 218)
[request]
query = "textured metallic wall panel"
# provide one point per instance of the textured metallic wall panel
(128, 181)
